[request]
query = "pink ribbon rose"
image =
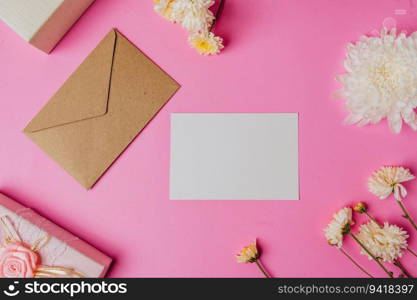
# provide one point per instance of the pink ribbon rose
(17, 261)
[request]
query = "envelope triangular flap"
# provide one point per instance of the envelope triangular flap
(138, 90)
(84, 95)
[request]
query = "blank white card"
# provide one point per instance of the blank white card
(234, 156)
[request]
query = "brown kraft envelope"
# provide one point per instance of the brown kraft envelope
(101, 108)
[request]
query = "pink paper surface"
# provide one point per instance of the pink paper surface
(280, 56)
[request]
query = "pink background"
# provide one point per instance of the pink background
(280, 56)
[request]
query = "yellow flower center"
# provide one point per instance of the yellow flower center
(204, 46)
(386, 76)
(380, 239)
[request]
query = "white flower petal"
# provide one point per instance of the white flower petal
(395, 122)
(402, 191)
(352, 119)
(397, 192)
(194, 15)
(409, 117)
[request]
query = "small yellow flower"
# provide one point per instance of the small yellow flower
(206, 43)
(249, 254)
(360, 207)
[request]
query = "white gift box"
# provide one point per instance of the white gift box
(42, 23)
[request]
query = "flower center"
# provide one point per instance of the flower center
(203, 45)
(380, 239)
(13, 267)
(384, 76)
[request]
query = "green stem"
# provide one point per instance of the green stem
(371, 255)
(355, 263)
(406, 214)
(402, 268)
(261, 267)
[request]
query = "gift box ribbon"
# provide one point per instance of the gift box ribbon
(19, 260)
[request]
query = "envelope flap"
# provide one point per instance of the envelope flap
(85, 94)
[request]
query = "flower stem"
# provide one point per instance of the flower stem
(262, 268)
(371, 255)
(372, 218)
(406, 214)
(355, 263)
(218, 13)
(411, 251)
(402, 268)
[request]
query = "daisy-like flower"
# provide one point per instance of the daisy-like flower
(248, 254)
(338, 227)
(386, 242)
(206, 43)
(381, 80)
(389, 180)
(194, 15)
(164, 8)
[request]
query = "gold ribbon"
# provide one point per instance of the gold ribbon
(56, 272)
(11, 233)
(12, 236)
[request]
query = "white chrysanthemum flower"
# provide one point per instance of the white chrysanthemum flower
(388, 180)
(194, 15)
(206, 43)
(381, 80)
(164, 8)
(339, 226)
(385, 242)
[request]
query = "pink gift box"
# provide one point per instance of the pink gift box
(62, 249)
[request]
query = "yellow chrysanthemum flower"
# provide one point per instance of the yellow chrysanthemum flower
(249, 254)
(206, 43)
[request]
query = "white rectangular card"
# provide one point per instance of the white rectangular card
(234, 156)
